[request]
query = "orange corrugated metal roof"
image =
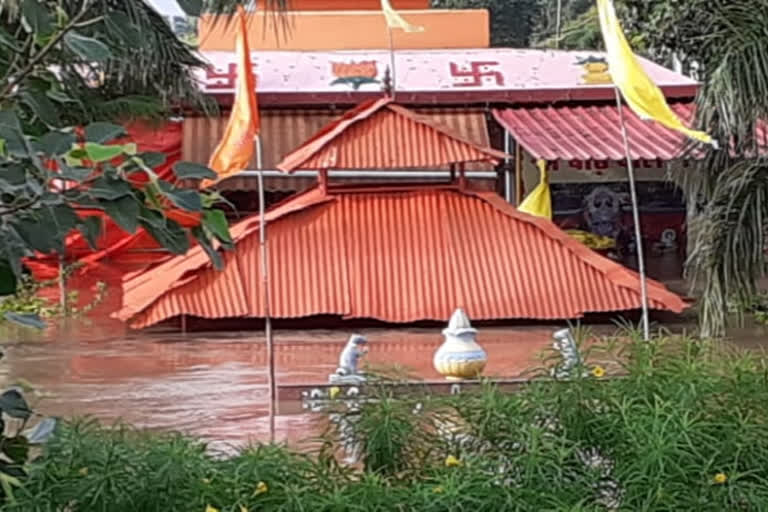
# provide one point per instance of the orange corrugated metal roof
(395, 254)
(594, 133)
(380, 134)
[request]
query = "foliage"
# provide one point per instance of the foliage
(724, 43)
(512, 21)
(17, 445)
(684, 429)
(66, 66)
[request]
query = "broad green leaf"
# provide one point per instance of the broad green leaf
(16, 449)
(74, 173)
(171, 236)
(36, 17)
(103, 132)
(42, 431)
(205, 243)
(64, 216)
(90, 227)
(124, 211)
(153, 159)
(56, 143)
(39, 233)
(10, 132)
(88, 48)
(110, 189)
(42, 107)
(7, 279)
(101, 153)
(185, 199)
(13, 403)
(216, 222)
(189, 170)
(191, 7)
(59, 96)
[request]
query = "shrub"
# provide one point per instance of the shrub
(682, 427)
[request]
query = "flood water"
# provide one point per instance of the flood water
(215, 386)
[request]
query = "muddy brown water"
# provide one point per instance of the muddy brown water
(214, 386)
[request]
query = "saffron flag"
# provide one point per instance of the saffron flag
(235, 150)
(539, 201)
(394, 20)
(642, 95)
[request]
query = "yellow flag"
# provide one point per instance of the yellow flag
(642, 95)
(539, 201)
(235, 150)
(394, 20)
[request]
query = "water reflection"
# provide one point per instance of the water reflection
(214, 386)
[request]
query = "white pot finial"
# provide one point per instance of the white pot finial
(460, 357)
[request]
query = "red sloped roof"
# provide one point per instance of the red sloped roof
(396, 254)
(380, 134)
(594, 133)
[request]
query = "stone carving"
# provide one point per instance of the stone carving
(347, 372)
(460, 357)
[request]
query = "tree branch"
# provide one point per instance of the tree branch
(12, 81)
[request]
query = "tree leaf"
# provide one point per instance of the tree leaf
(56, 143)
(13, 403)
(42, 431)
(185, 199)
(110, 189)
(42, 107)
(171, 236)
(88, 48)
(16, 449)
(153, 159)
(7, 279)
(216, 222)
(103, 132)
(90, 227)
(41, 233)
(36, 17)
(74, 173)
(124, 211)
(189, 170)
(191, 7)
(10, 131)
(122, 25)
(101, 153)
(205, 243)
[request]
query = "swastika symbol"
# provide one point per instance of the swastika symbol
(473, 75)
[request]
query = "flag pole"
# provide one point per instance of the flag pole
(636, 220)
(392, 61)
(265, 283)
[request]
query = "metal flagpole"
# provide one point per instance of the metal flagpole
(265, 282)
(636, 219)
(392, 61)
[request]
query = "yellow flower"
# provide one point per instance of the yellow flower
(83, 471)
(243, 508)
(598, 372)
(452, 462)
(211, 509)
(720, 478)
(206, 481)
(438, 490)
(261, 488)
(334, 392)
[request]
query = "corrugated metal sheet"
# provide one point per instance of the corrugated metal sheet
(398, 254)
(383, 135)
(285, 130)
(592, 133)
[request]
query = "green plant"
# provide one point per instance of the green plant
(685, 427)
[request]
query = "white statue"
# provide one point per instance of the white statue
(347, 372)
(566, 345)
